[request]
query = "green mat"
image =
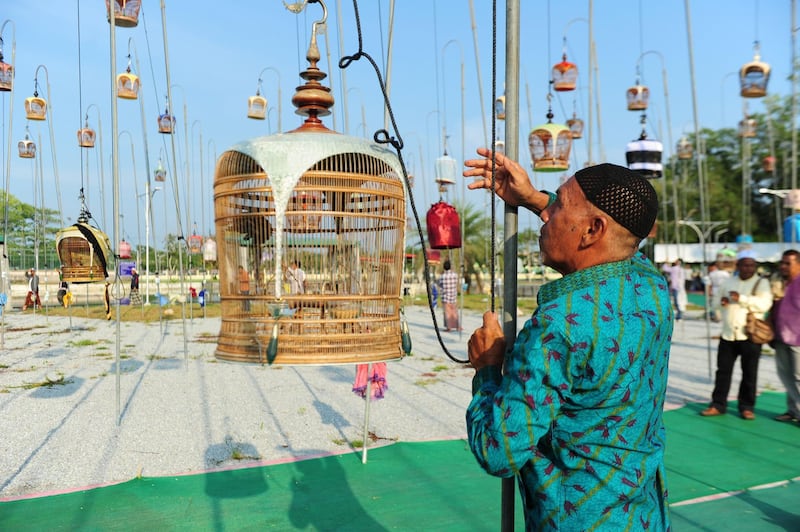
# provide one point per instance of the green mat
(712, 455)
(436, 486)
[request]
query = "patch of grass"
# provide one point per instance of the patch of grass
(339, 441)
(440, 368)
(426, 382)
(47, 383)
(157, 357)
(83, 342)
(4, 366)
(237, 454)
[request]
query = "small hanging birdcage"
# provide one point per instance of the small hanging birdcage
(36, 106)
(638, 97)
(500, 107)
(86, 135)
(128, 84)
(644, 156)
(575, 126)
(550, 145)
(27, 148)
(444, 227)
(126, 12)
(166, 122)
(6, 72)
(768, 164)
(83, 250)
(257, 105)
(124, 249)
(446, 169)
(748, 127)
(209, 250)
(565, 75)
(684, 149)
(754, 76)
(160, 173)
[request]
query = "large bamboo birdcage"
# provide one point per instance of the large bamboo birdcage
(336, 205)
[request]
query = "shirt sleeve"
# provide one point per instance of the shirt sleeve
(761, 300)
(509, 414)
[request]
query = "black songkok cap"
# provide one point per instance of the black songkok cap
(621, 193)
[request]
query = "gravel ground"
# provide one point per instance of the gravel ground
(173, 412)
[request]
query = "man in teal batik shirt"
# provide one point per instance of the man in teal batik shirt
(574, 410)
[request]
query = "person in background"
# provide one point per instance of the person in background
(244, 287)
(574, 409)
(63, 290)
(135, 297)
(297, 279)
(677, 286)
(716, 277)
(448, 283)
(742, 293)
(786, 318)
(32, 298)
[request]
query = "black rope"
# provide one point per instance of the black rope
(382, 136)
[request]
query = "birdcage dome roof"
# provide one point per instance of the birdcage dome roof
(286, 156)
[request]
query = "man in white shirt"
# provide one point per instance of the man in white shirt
(742, 293)
(297, 279)
(716, 277)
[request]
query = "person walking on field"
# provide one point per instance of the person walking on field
(32, 298)
(449, 285)
(135, 298)
(677, 286)
(786, 317)
(575, 409)
(742, 293)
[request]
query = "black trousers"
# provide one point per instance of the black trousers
(726, 357)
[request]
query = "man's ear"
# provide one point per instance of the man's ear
(595, 230)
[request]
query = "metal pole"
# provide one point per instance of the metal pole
(115, 191)
(182, 296)
(511, 220)
(5, 279)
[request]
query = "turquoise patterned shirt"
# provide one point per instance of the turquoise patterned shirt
(577, 414)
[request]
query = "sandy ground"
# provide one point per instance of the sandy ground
(170, 410)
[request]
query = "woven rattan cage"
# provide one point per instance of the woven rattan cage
(336, 205)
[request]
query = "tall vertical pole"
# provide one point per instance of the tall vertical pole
(511, 221)
(5, 279)
(591, 81)
(793, 232)
(182, 295)
(115, 187)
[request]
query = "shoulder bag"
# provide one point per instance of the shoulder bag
(758, 331)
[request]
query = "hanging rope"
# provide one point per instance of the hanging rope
(382, 136)
(80, 90)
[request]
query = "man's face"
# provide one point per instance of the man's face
(747, 268)
(564, 222)
(789, 267)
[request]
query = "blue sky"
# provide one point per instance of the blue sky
(216, 54)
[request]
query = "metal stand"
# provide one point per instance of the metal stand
(367, 400)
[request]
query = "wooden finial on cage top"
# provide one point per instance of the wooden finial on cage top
(313, 99)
